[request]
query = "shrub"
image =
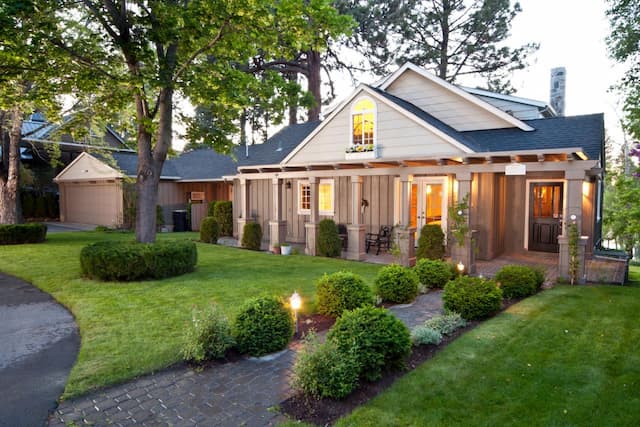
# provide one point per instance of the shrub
(329, 243)
(128, 261)
(40, 208)
(540, 273)
(516, 281)
(263, 326)
(252, 236)
(431, 242)
(446, 324)
(433, 273)
(159, 216)
(209, 230)
(223, 213)
(376, 337)
(15, 234)
(208, 336)
(341, 291)
(323, 371)
(52, 205)
(211, 208)
(423, 335)
(472, 297)
(397, 284)
(28, 205)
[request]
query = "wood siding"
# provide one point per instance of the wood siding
(91, 202)
(520, 111)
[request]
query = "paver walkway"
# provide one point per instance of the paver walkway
(244, 393)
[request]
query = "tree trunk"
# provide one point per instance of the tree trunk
(293, 101)
(444, 46)
(314, 65)
(10, 172)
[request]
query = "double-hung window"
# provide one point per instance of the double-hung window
(326, 197)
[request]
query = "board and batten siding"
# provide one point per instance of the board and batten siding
(443, 104)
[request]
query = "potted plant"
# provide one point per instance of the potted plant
(276, 249)
(285, 249)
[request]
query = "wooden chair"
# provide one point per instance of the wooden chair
(382, 239)
(343, 235)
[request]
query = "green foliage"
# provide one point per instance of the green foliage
(430, 243)
(446, 324)
(574, 261)
(396, 284)
(377, 338)
(223, 213)
(458, 220)
(433, 273)
(263, 325)
(209, 230)
(424, 335)
(28, 205)
(341, 291)
(517, 281)
(208, 336)
(16, 234)
(128, 261)
(621, 217)
(52, 205)
(252, 236)
(40, 210)
(211, 208)
(472, 297)
(329, 243)
(159, 216)
(321, 370)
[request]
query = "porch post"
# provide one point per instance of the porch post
(311, 227)
(405, 235)
(356, 229)
(244, 209)
(277, 225)
(464, 252)
(572, 215)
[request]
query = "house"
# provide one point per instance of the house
(402, 152)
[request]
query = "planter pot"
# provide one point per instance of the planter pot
(285, 250)
(276, 250)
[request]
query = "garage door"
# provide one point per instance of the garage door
(93, 203)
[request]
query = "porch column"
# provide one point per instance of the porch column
(572, 215)
(277, 224)
(464, 252)
(311, 227)
(244, 209)
(405, 235)
(355, 230)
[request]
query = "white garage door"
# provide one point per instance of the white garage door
(93, 203)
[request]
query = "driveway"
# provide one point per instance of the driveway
(59, 227)
(39, 343)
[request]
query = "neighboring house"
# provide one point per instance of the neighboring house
(402, 152)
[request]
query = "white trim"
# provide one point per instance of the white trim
(299, 197)
(422, 181)
(362, 113)
(458, 91)
(510, 98)
(333, 197)
(526, 203)
(60, 176)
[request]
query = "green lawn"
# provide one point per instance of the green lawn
(568, 356)
(130, 329)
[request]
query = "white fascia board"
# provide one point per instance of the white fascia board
(458, 91)
(510, 98)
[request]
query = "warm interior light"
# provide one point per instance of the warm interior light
(460, 266)
(295, 301)
(428, 189)
(585, 188)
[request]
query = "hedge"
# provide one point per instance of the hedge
(329, 243)
(223, 213)
(15, 234)
(472, 297)
(431, 242)
(252, 236)
(129, 261)
(209, 230)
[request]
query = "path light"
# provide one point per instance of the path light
(573, 217)
(296, 303)
(460, 267)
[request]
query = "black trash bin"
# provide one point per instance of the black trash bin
(180, 220)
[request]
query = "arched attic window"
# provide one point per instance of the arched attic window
(363, 122)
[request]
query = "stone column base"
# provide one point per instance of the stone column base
(241, 222)
(355, 239)
(405, 239)
(564, 259)
(465, 254)
(311, 232)
(277, 233)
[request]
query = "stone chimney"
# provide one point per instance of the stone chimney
(558, 85)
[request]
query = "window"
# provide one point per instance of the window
(326, 197)
(363, 122)
(304, 198)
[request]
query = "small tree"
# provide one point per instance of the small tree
(431, 242)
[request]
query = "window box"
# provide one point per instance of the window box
(361, 155)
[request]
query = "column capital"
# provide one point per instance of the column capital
(406, 177)
(313, 180)
(275, 181)
(463, 176)
(571, 175)
(357, 179)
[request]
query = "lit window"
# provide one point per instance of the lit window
(325, 197)
(304, 198)
(363, 122)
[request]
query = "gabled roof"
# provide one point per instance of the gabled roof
(544, 108)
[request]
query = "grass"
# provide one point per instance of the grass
(567, 356)
(634, 275)
(129, 329)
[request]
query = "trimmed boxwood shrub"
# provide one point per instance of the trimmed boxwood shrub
(262, 326)
(128, 261)
(433, 273)
(517, 281)
(341, 291)
(223, 213)
(252, 236)
(208, 336)
(396, 284)
(209, 230)
(472, 297)
(329, 243)
(540, 272)
(431, 242)
(211, 208)
(375, 337)
(15, 234)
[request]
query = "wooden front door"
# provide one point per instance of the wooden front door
(545, 216)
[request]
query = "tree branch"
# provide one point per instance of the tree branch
(203, 49)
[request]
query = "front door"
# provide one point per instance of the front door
(545, 216)
(428, 203)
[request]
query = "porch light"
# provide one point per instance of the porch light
(296, 303)
(460, 267)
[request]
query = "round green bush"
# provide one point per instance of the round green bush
(472, 297)
(16, 234)
(263, 326)
(129, 261)
(252, 236)
(517, 281)
(396, 284)
(223, 213)
(540, 275)
(431, 242)
(208, 336)
(211, 208)
(341, 291)
(375, 337)
(433, 273)
(209, 231)
(329, 243)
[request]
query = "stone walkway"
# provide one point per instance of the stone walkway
(244, 393)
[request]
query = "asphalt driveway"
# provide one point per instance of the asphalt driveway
(39, 343)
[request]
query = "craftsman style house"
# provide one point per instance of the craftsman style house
(402, 152)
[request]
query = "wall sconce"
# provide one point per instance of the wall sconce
(288, 185)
